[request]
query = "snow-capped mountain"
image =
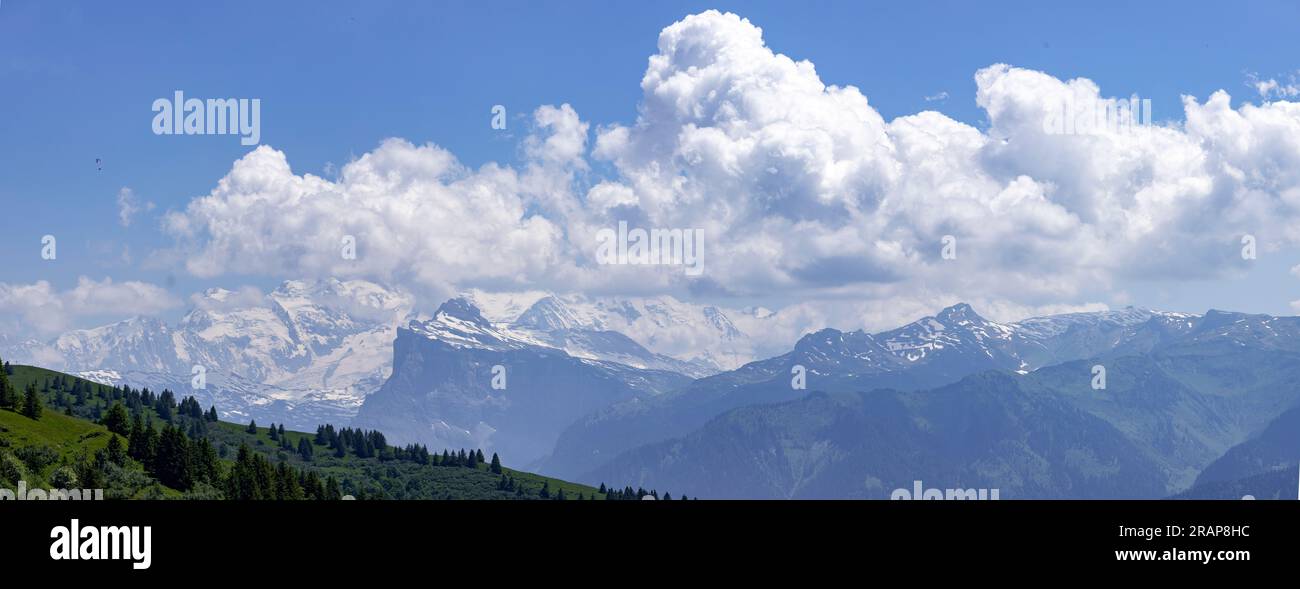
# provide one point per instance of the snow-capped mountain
(703, 337)
(309, 352)
(306, 353)
(930, 352)
(548, 322)
(1206, 402)
(1043, 341)
(460, 380)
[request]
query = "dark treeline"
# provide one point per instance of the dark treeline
(508, 483)
(252, 477)
(88, 400)
(167, 439)
(372, 444)
(170, 441)
(27, 403)
(186, 461)
(628, 494)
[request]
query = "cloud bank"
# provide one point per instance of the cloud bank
(804, 192)
(799, 186)
(41, 310)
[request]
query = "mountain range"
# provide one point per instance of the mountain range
(459, 380)
(1180, 392)
(310, 352)
(306, 353)
(930, 352)
(668, 394)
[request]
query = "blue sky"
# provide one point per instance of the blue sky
(335, 78)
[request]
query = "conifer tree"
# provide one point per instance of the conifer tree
(305, 449)
(32, 403)
(117, 421)
(244, 482)
(287, 487)
(164, 410)
(6, 390)
(115, 452)
(147, 446)
(135, 439)
(204, 464)
(173, 462)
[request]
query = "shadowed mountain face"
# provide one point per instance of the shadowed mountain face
(984, 432)
(1277, 448)
(1180, 392)
(1281, 484)
(1184, 407)
(927, 353)
(460, 381)
(1188, 398)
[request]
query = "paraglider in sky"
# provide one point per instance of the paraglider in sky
(99, 164)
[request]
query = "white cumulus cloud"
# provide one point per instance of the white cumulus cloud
(39, 309)
(802, 189)
(128, 205)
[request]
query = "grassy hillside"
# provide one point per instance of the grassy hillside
(51, 452)
(68, 436)
(70, 442)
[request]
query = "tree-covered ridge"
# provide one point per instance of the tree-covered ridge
(63, 432)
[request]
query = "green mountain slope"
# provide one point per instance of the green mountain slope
(1275, 448)
(1183, 409)
(69, 446)
(983, 432)
(1161, 419)
(1281, 484)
